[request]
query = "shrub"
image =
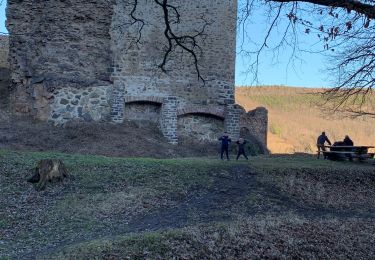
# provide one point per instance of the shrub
(275, 129)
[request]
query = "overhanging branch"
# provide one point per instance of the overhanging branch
(351, 5)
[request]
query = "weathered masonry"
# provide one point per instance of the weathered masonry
(90, 60)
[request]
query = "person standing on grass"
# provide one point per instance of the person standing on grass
(225, 140)
(241, 148)
(320, 144)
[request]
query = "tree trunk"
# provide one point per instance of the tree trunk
(48, 170)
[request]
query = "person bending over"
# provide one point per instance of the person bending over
(320, 143)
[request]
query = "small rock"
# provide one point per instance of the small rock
(64, 101)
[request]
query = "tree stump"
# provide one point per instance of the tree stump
(50, 170)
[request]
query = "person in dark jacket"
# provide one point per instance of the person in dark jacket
(347, 141)
(320, 143)
(241, 148)
(225, 140)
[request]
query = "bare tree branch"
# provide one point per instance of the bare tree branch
(188, 43)
(351, 5)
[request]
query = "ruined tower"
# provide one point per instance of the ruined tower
(100, 61)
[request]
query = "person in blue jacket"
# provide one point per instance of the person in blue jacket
(225, 140)
(320, 143)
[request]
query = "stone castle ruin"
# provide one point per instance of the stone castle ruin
(91, 61)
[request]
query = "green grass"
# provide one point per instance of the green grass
(103, 190)
(105, 193)
(276, 129)
(306, 161)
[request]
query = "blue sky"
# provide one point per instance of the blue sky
(2, 16)
(308, 71)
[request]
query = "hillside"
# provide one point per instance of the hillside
(295, 120)
(289, 206)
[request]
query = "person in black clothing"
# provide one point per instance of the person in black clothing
(225, 140)
(320, 143)
(347, 141)
(241, 148)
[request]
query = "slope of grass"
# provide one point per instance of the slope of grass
(104, 191)
(296, 119)
(118, 208)
(255, 238)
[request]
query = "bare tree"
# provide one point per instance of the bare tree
(344, 30)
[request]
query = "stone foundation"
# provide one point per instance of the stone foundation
(90, 104)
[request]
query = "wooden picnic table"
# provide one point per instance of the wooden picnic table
(342, 152)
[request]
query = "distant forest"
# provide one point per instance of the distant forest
(296, 118)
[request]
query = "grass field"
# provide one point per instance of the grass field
(296, 119)
(118, 208)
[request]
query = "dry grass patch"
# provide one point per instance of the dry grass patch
(261, 237)
(318, 183)
(296, 118)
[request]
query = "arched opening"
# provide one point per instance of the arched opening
(244, 131)
(200, 126)
(142, 111)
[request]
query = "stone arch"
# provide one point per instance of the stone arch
(244, 131)
(143, 108)
(212, 111)
(145, 99)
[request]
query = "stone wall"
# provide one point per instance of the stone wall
(232, 120)
(143, 111)
(57, 45)
(88, 60)
(89, 104)
(168, 119)
(200, 127)
(118, 102)
(4, 51)
(255, 122)
(66, 43)
(136, 63)
(4, 72)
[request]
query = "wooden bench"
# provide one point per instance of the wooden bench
(339, 153)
